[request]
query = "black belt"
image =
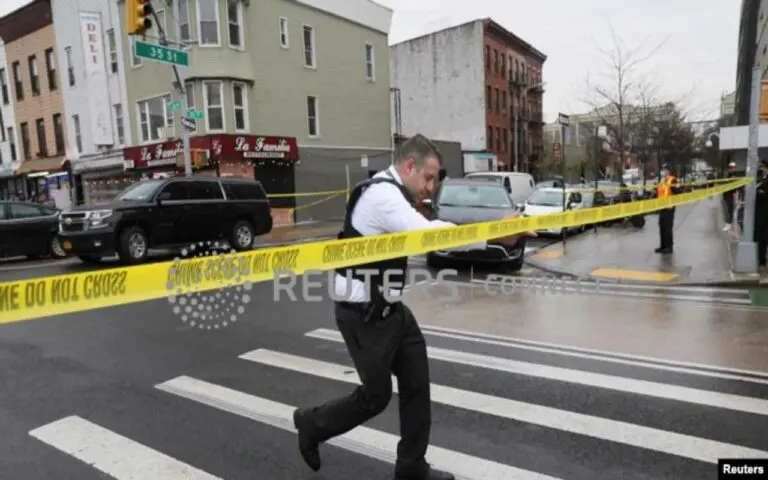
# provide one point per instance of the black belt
(363, 308)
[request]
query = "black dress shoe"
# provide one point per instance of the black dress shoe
(307, 445)
(431, 474)
(663, 250)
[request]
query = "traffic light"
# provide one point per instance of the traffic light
(137, 15)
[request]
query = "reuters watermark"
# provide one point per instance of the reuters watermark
(319, 286)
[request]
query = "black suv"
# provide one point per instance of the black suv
(167, 213)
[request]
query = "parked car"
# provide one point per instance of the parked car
(519, 185)
(465, 201)
(545, 201)
(30, 230)
(168, 213)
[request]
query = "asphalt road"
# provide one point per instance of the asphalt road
(137, 392)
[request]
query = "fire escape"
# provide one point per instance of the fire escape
(525, 121)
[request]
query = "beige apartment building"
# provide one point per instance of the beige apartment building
(34, 90)
(305, 81)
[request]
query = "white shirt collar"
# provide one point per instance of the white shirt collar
(393, 172)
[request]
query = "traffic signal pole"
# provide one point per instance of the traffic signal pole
(137, 17)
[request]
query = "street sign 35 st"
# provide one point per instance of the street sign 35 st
(161, 54)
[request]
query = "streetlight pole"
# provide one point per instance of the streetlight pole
(746, 252)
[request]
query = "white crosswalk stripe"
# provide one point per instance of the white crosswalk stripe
(701, 389)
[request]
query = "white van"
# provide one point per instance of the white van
(519, 185)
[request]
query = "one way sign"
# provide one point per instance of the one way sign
(189, 123)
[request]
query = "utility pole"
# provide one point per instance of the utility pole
(564, 120)
(746, 252)
(181, 93)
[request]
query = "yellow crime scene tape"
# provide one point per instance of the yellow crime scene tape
(42, 297)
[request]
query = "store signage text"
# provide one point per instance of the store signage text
(262, 148)
(159, 155)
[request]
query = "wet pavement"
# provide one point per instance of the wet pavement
(539, 383)
(701, 254)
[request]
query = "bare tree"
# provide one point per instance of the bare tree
(614, 96)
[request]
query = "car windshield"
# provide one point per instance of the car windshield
(141, 191)
(587, 198)
(475, 196)
(546, 198)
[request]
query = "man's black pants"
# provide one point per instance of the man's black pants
(379, 349)
(666, 227)
(761, 237)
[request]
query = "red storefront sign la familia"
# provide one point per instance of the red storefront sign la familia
(217, 147)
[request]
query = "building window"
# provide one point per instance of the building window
(78, 135)
(498, 100)
(183, 20)
(153, 118)
(510, 68)
(309, 47)
(42, 144)
(489, 97)
(505, 143)
(235, 16)
(17, 85)
(25, 140)
(498, 139)
(12, 142)
(4, 87)
(50, 68)
(312, 120)
(503, 66)
(283, 23)
(487, 57)
(189, 91)
(504, 102)
(208, 22)
(240, 103)
(370, 69)
(58, 133)
(119, 123)
(34, 76)
(495, 61)
(70, 67)
(214, 108)
(113, 65)
(490, 138)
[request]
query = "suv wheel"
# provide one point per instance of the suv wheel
(242, 236)
(57, 251)
(133, 245)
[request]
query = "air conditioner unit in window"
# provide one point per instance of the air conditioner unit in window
(165, 133)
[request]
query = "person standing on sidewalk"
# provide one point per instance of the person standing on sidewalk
(667, 187)
(382, 335)
(761, 217)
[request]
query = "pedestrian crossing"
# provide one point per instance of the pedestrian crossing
(502, 409)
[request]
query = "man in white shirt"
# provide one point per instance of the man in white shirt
(384, 338)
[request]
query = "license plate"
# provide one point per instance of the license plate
(67, 245)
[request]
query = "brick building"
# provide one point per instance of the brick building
(478, 84)
(31, 85)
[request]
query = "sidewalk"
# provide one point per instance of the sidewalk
(702, 254)
(310, 231)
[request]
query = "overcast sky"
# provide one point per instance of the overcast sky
(696, 63)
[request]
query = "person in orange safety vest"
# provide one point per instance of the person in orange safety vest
(667, 186)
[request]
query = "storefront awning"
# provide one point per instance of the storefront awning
(41, 165)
